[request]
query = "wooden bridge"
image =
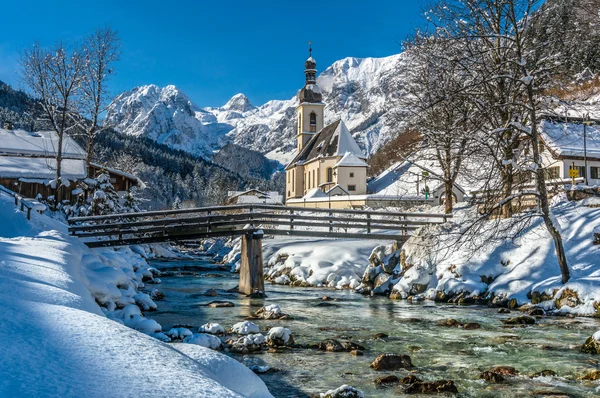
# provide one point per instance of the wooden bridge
(251, 222)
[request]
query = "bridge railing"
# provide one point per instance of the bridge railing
(237, 219)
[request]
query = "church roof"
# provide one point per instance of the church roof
(332, 140)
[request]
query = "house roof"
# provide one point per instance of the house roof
(565, 139)
(402, 179)
(39, 143)
(245, 197)
(119, 173)
(332, 140)
(40, 168)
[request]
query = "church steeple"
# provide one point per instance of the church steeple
(310, 108)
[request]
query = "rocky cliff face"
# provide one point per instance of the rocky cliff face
(363, 92)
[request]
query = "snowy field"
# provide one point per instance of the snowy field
(57, 341)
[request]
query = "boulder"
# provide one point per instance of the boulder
(471, 326)
(410, 379)
(491, 377)
(357, 353)
(543, 373)
(568, 298)
(432, 387)
(330, 345)
(381, 279)
(505, 370)
(591, 346)
(210, 293)
(519, 320)
(381, 336)
(592, 375)
(387, 380)
(392, 362)
(450, 322)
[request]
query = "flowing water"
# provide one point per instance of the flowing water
(437, 352)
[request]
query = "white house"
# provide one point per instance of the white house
(571, 143)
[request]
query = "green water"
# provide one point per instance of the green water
(437, 352)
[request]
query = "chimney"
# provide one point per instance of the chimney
(8, 125)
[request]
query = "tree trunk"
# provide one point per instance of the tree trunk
(448, 192)
(543, 194)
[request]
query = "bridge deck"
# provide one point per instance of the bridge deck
(220, 221)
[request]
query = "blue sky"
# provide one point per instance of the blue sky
(213, 50)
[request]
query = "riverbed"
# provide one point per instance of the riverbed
(437, 352)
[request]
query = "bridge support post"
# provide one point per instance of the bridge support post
(252, 280)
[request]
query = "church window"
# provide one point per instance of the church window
(351, 187)
(314, 180)
(351, 175)
(313, 121)
(329, 174)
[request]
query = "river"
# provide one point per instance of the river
(437, 352)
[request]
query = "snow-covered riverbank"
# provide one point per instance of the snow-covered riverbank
(56, 336)
(430, 266)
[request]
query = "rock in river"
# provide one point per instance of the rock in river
(392, 362)
(591, 345)
(430, 387)
(387, 380)
(344, 391)
(220, 304)
(519, 320)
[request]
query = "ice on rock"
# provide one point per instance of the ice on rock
(211, 328)
(343, 392)
(204, 340)
(245, 327)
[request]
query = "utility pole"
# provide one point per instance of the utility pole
(586, 122)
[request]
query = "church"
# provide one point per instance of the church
(328, 161)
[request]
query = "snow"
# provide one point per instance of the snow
(351, 160)
(342, 391)
(179, 333)
(204, 339)
(346, 143)
(566, 139)
(279, 333)
(596, 336)
(315, 193)
(40, 143)
(212, 328)
(40, 168)
(245, 327)
(56, 341)
(317, 262)
(518, 268)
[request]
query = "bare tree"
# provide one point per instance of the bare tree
(100, 49)
(54, 76)
(439, 106)
(509, 78)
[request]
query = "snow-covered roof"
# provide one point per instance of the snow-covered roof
(351, 160)
(255, 196)
(406, 180)
(346, 143)
(315, 193)
(337, 189)
(40, 168)
(565, 139)
(39, 143)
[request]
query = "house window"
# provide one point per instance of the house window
(581, 170)
(594, 172)
(351, 187)
(329, 174)
(553, 173)
(351, 175)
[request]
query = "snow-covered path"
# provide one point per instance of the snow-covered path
(55, 340)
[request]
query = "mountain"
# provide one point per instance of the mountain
(363, 92)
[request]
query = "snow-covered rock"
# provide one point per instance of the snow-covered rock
(179, 333)
(204, 339)
(211, 328)
(279, 336)
(344, 391)
(245, 327)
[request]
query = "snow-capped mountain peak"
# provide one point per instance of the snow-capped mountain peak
(363, 92)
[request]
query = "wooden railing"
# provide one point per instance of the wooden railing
(156, 226)
(21, 202)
